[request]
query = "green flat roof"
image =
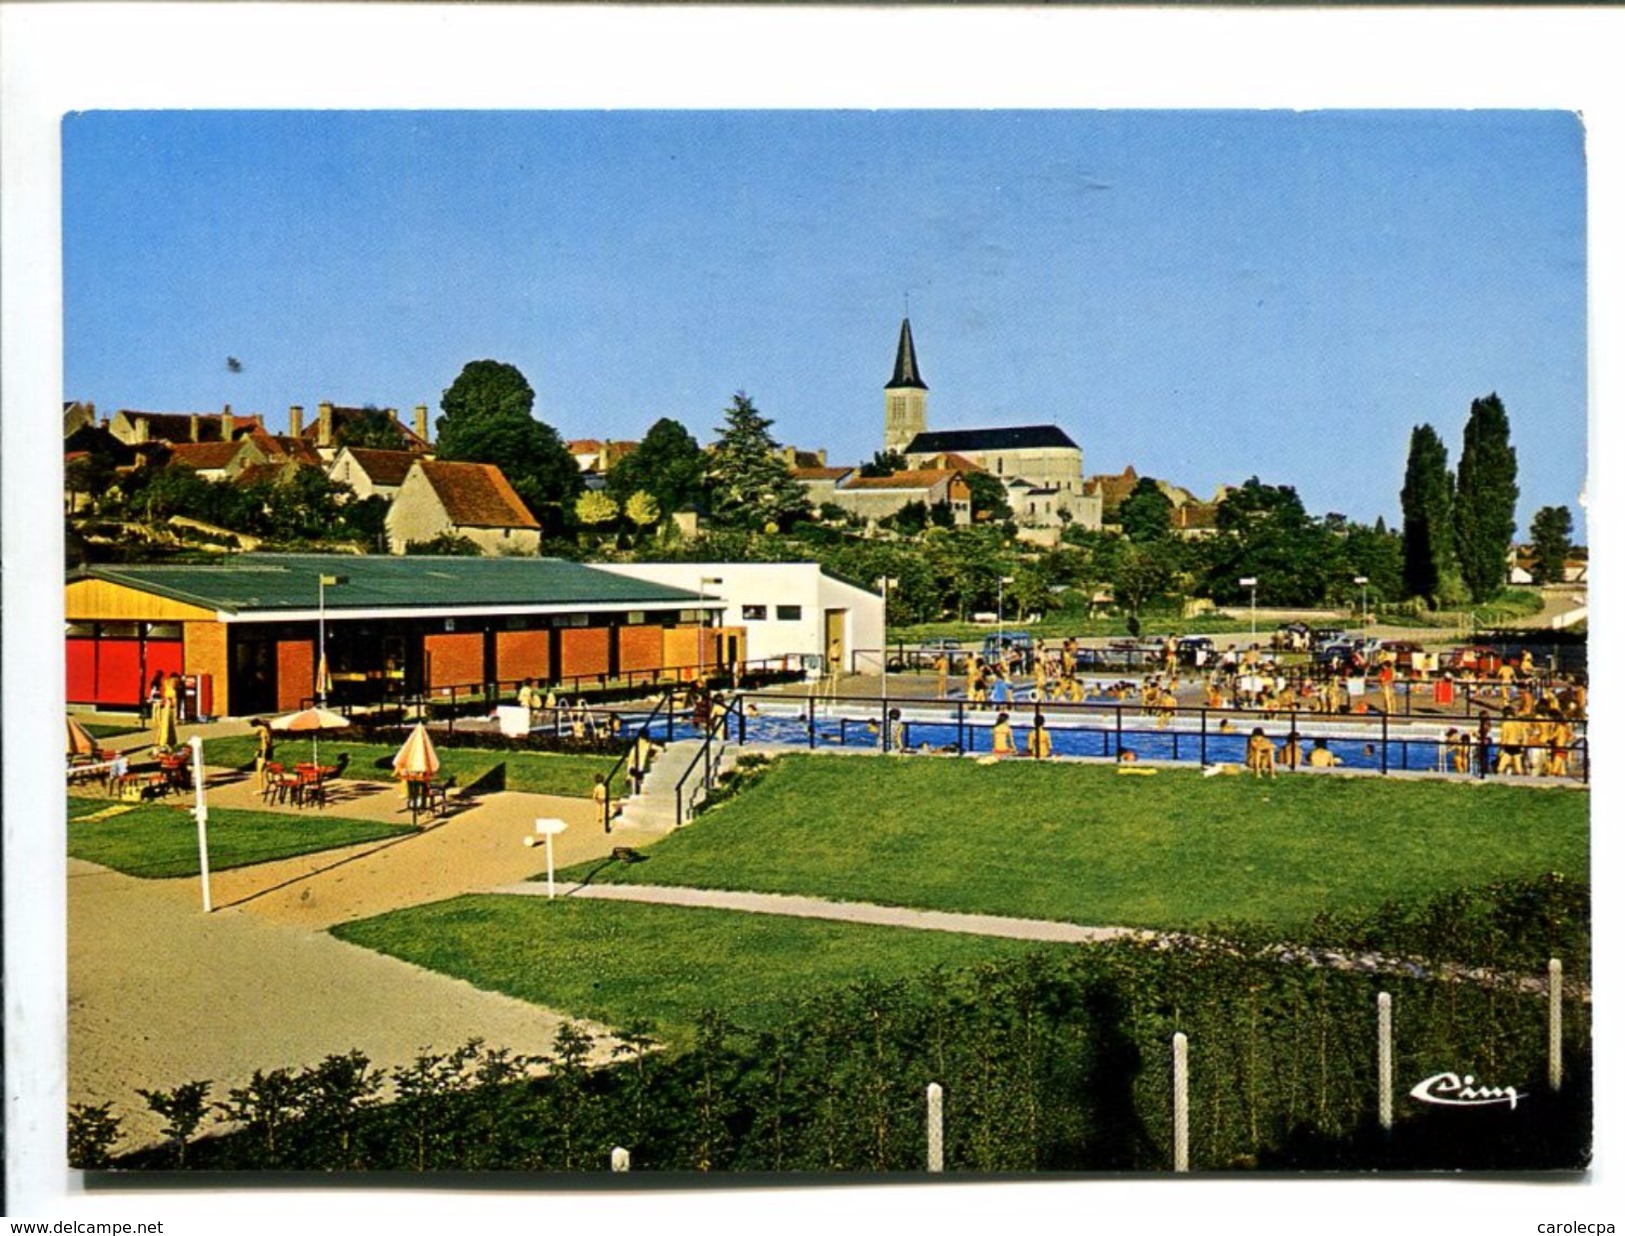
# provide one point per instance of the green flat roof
(261, 582)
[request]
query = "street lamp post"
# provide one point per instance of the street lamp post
(1365, 616)
(705, 622)
(323, 583)
(886, 582)
(1251, 584)
(1003, 580)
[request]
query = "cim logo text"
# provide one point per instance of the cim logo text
(1449, 1090)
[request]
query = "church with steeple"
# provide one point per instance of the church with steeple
(1040, 467)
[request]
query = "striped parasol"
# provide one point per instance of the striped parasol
(79, 740)
(311, 721)
(416, 762)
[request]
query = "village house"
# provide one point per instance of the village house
(473, 500)
(326, 433)
(135, 428)
(371, 472)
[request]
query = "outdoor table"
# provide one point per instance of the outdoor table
(313, 782)
(177, 770)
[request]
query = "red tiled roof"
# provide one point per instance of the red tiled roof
(261, 474)
(925, 478)
(819, 474)
(203, 456)
(383, 467)
(281, 447)
(476, 495)
(584, 446)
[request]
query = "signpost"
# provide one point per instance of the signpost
(201, 812)
(548, 829)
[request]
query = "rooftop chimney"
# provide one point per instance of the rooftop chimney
(420, 421)
(296, 421)
(324, 424)
(194, 426)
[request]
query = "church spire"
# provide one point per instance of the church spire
(905, 397)
(906, 372)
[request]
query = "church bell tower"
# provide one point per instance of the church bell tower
(905, 396)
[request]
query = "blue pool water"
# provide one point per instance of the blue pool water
(1085, 740)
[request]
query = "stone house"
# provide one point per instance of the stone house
(472, 500)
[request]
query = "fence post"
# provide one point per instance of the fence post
(1204, 737)
(620, 1159)
(933, 1128)
(1554, 1024)
(1118, 754)
(1385, 742)
(1385, 1060)
(960, 709)
(1182, 1105)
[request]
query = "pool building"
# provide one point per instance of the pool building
(245, 631)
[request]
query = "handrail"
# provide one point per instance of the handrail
(714, 725)
(643, 728)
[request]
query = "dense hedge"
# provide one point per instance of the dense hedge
(1058, 1061)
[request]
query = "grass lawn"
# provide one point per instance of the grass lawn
(98, 729)
(531, 772)
(620, 962)
(157, 841)
(1080, 843)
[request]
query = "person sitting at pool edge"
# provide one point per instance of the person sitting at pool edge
(1004, 740)
(1320, 755)
(1260, 753)
(1038, 740)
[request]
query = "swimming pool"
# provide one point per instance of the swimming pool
(1097, 736)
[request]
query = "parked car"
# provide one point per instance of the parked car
(1192, 645)
(1474, 661)
(1293, 637)
(1319, 637)
(1018, 642)
(1405, 652)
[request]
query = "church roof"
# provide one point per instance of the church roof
(1012, 438)
(906, 372)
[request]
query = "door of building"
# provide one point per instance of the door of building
(835, 639)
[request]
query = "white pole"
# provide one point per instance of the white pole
(620, 1159)
(548, 844)
(1385, 1060)
(201, 812)
(1182, 1105)
(933, 1128)
(1554, 1023)
(321, 639)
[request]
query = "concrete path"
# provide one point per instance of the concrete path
(846, 912)
(160, 994)
(1043, 930)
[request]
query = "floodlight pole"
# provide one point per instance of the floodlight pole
(1003, 580)
(322, 669)
(1364, 615)
(1251, 584)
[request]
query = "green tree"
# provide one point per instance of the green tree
(487, 419)
(374, 428)
(595, 509)
(667, 464)
(751, 485)
(1147, 514)
(1267, 535)
(987, 497)
(1550, 530)
(643, 509)
(884, 463)
(1425, 502)
(1486, 497)
(1377, 555)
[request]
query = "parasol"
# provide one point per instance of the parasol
(311, 721)
(79, 740)
(165, 733)
(416, 762)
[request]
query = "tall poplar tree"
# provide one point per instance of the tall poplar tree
(1427, 531)
(1550, 531)
(1486, 497)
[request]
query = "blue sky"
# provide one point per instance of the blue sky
(1206, 295)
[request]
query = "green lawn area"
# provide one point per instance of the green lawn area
(99, 729)
(157, 840)
(531, 772)
(1081, 843)
(619, 962)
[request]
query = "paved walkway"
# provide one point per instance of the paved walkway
(1044, 930)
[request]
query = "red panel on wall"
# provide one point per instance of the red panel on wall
(583, 651)
(81, 671)
(295, 673)
(521, 654)
(642, 648)
(455, 660)
(118, 672)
